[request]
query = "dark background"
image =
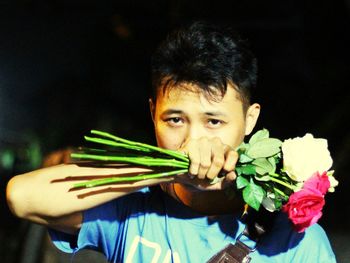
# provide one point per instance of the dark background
(70, 66)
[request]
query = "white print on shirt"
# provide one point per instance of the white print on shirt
(153, 245)
(167, 258)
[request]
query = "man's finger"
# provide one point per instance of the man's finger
(194, 156)
(231, 158)
(205, 151)
(218, 159)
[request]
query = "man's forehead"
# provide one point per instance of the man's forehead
(193, 100)
(190, 89)
(211, 94)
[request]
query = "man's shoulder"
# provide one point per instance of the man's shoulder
(284, 226)
(284, 241)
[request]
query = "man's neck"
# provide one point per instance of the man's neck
(207, 202)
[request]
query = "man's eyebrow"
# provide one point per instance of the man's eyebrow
(215, 113)
(172, 111)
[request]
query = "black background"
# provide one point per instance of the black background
(70, 66)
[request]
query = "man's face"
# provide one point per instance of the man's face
(181, 114)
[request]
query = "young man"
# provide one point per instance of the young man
(202, 78)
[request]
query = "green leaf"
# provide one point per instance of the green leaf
(242, 148)
(215, 180)
(272, 160)
(241, 182)
(264, 178)
(272, 201)
(243, 158)
(269, 204)
(253, 195)
(260, 171)
(259, 135)
(247, 169)
(278, 203)
(264, 148)
(263, 166)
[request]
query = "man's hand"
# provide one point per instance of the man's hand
(210, 161)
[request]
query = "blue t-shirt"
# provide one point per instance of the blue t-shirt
(150, 226)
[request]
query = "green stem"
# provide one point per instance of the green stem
(274, 174)
(104, 181)
(143, 145)
(282, 183)
(115, 144)
(280, 192)
(145, 161)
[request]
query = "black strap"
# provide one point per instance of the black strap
(236, 253)
(257, 224)
(255, 227)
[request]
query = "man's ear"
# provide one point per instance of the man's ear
(152, 108)
(251, 118)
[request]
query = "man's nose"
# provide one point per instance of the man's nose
(193, 132)
(196, 131)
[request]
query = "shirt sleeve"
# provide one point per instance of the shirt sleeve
(96, 228)
(103, 227)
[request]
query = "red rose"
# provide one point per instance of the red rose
(304, 207)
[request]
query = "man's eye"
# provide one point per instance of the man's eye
(175, 121)
(215, 122)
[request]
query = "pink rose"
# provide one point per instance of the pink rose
(318, 182)
(304, 207)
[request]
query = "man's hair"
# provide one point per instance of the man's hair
(205, 55)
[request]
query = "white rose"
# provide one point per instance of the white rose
(302, 157)
(333, 182)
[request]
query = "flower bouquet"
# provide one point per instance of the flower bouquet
(292, 176)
